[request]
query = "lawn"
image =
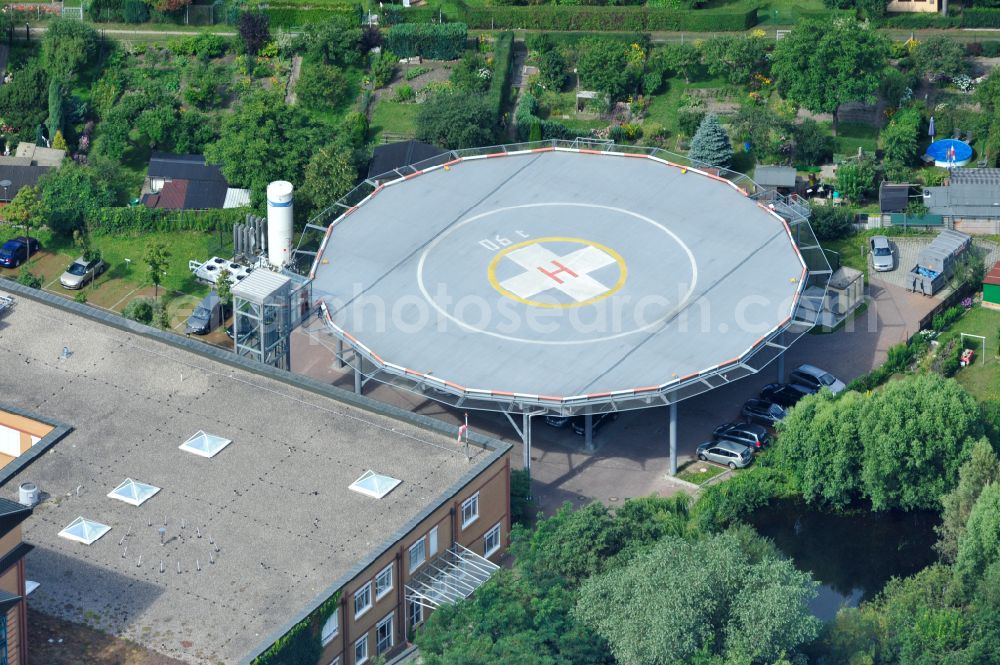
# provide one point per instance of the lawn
(851, 136)
(699, 473)
(394, 118)
(982, 378)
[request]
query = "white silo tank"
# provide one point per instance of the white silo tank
(279, 223)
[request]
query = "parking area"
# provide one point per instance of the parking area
(907, 249)
(632, 453)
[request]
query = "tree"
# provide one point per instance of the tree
(823, 64)
(67, 45)
(603, 66)
(383, 67)
(982, 468)
(737, 58)
(765, 130)
(939, 58)
(552, 70)
(979, 545)
(55, 121)
(856, 179)
(813, 145)
(901, 137)
(335, 41)
(680, 59)
(22, 101)
(157, 126)
(254, 29)
(224, 288)
(710, 144)
(26, 209)
(819, 443)
(680, 598)
(831, 222)
(321, 87)
(916, 432)
(456, 120)
(71, 191)
(895, 86)
(329, 175)
(157, 259)
(59, 142)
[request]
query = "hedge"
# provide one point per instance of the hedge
(627, 19)
(499, 92)
(289, 17)
(443, 41)
(922, 21)
(978, 17)
(526, 115)
(112, 221)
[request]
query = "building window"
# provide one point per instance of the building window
(416, 612)
(361, 651)
(335, 661)
(418, 554)
(3, 639)
(331, 627)
(470, 510)
(362, 600)
(383, 582)
(491, 541)
(383, 635)
(433, 538)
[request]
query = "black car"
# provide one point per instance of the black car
(598, 421)
(17, 251)
(784, 394)
(748, 434)
(558, 421)
(763, 412)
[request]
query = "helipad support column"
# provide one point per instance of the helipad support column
(340, 353)
(526, 440)
(781, 368)
(588, 431)
(673, 436)
(358, 387)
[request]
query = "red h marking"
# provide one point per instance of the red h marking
(554, 274)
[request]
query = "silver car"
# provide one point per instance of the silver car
(732, 454)
(816, 379)
(81, 272)
(882, 258)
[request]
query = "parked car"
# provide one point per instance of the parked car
(784, 394)
(558, 421)
(598, 421)
(81, 272)
(17, 251)
(815, 379)
(748, 434)
(732, 454)
(206, 316)
(762, 412)
(882, 258)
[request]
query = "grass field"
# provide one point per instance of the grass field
(851, 136)
(698, 472)
(395, 118)
(982, 379)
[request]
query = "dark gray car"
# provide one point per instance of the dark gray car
(206, 316)
(732, 454)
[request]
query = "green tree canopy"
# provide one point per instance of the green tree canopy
(979, 544)
(939, 58)
(70, 191)
(603, 65)
(813, 145)
(23, 100)
(26, 208)
(901, 137)
(456, 120)
(156, 258)
(679, 598)
(736, 57)
(823, 64)
(710, 144)
(322, 87)
(68, 44)
(329, 175)
(982, 467)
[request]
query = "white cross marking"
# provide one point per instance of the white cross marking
(547, 270)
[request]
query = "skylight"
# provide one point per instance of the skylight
(133, 492)
(84, 531)
(374, 484)
(204, 444)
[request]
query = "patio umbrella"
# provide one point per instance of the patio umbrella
(930, 128)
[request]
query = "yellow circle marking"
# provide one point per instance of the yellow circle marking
(491, 273)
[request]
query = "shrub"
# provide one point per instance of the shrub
(321, 87)
(831, 222)
(976, 17)
(27, 278)
(139, 309)
(725, 504)
(444, 41)
(688, 120)
(520, 497)
(81, 297)
(499, 91)
(415, 72)
(945, 319)
(383, 67)
(622, 19)
(404, 93)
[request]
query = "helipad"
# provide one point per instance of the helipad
(563, 279)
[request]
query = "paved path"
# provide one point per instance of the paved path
(519, 83)
(293, 78)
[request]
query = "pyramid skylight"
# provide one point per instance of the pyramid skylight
(204, 444)
(374, 484)
(133, 492)
(84, 531)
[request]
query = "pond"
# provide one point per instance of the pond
(852, 555)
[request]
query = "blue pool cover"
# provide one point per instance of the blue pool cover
(939, 150)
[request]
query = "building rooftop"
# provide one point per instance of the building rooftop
(774, 176)
(964, 200)
(391, 156)
(269, 520)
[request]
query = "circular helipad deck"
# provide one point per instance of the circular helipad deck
(558, 275)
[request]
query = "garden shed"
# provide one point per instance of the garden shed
(991, 287)
(780, 178)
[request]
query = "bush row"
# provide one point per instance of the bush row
(499, 92)
(443, 41)
(627, 19)
(118, 11)
(289, 17)
(112, 221)
(980, 17)
(526, 117)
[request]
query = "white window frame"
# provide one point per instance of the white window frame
(380, 593)
(335, 661)
(392, 637)
(410, 613)
(332, 623)
(362, 641)
(421, 541)
(472, 501)
(492, 533)
(432, 542)
(367, 590)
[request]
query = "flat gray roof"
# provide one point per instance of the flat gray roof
(276, 500)
(558, 273)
